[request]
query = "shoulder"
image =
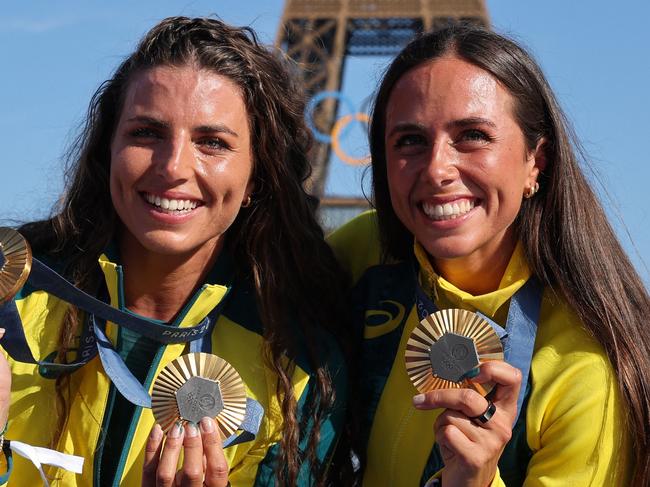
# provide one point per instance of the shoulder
(356, 244)
(575, 404)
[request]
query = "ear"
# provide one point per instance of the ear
(536, 161)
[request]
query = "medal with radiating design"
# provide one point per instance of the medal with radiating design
(197, 385)
(448, 344)
(15, 263)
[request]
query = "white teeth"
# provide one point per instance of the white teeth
(448, 211)
(170, 205)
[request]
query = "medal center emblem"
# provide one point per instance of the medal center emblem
(452, 356)
(199, 397)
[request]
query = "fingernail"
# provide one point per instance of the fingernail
(176, 430)
(191, 430)
(156, 432)
(472, 373)
(207, 425)
(419, 399)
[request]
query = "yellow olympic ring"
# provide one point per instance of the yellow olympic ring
(336, 146)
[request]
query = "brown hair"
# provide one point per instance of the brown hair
(276, 241)
(568, 241)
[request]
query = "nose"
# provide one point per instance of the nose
(175, 159)
(440, 169)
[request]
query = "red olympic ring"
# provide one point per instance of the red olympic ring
(336, 146)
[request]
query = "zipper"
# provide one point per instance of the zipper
(135, 419)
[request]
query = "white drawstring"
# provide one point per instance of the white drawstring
(39, 456)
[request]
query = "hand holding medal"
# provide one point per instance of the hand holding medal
(198, 400)
(442, 356)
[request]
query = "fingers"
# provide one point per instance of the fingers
(216, 472)
(192, 470)
(506, 377)
(166, 471)
(152, 456)
(470, 402)
(204, 463)
(466, 401)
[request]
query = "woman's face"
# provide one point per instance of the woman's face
(457, 163)
(181, 160)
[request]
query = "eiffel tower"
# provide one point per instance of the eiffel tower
(319, 34)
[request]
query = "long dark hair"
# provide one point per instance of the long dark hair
(568, 241)
(276, 241)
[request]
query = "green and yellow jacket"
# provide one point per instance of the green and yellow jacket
(236, 337)
(571, 431)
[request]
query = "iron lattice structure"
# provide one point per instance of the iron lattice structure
(319, 34)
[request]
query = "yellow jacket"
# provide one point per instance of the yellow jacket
(236, 338)
(575, 433)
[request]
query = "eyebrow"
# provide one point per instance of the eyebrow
(204, 129)
(472, 121)
(464, 122)
(406, 127)
(150, 121)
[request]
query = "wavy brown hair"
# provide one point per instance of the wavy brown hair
(568, 241)
(276, 242)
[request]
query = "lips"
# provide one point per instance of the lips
(449, 210)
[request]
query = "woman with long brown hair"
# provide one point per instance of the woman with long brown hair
(187, 184)
(481, 204)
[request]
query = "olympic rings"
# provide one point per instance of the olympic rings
(311, 106)
(341, 126)
(338, 126)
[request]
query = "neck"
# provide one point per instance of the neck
(158, 285)
(480, 272)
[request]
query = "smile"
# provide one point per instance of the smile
(172, 206)
(448, 211)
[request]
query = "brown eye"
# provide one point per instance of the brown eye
(410, 141)
(213, 143)
(475, 135)
(144, 133)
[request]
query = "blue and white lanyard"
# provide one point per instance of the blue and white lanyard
(94, 341)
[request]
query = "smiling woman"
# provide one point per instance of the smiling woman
(482, 207)
(185, 205)
(181, 162)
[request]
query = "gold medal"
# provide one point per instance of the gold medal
(15, 263)
(448, 344)
(197, 385)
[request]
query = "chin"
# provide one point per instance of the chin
(446, 248)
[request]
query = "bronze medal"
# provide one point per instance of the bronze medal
(15, 263)
(448, 344)
(197, 385)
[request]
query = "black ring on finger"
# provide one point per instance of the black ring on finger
(486, 415)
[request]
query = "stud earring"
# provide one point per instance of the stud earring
(530, 192)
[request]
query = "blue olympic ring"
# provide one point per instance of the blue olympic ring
(311, 106)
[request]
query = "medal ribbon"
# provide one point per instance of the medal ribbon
(518, 336)
(94, 341)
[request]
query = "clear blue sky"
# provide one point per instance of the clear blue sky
(55, 54)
